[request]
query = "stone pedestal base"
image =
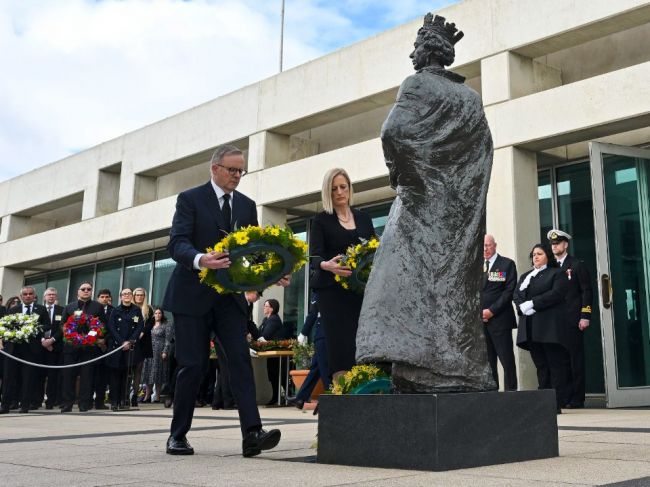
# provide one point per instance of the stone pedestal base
(437, 431)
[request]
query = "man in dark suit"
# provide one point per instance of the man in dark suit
(578, 299)
(75, 355)
(29, 351)
(499, 281)
(101, 370)
(203, 216)
(52, 352)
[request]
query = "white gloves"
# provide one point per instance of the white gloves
(527, 308)
(261, 340)
(302, 339)
(252, 352)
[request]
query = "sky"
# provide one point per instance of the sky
(76, 73)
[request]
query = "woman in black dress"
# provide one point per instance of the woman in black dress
(332, 232)
(272, 329)
(539, 297)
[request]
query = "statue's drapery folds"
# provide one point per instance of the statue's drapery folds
(421, 306)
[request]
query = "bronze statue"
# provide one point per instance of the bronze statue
(421, 306)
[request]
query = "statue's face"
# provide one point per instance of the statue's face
(420, 55)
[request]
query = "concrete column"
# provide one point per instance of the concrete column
(507, 75)
(513, 219)
(11, 280)
(126, 193)
(267, 149)
(14, 227)
(267, 215)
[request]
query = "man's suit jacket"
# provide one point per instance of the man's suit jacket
(198, 224)
(580, 294)
(496, 294)
(56, 326)
(3, 311)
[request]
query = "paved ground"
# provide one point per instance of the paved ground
(597, 447)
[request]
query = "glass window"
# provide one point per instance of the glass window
(379, 215)
(545, 197)
(59, 281)
(575, 216)
(163, 267)
(77, 276)
(293, 311)
(137, 272)
(38, 283)
(108, 277)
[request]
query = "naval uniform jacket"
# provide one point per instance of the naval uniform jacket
(580, 294)
(125, 324)
(496, 293)
(548, 324)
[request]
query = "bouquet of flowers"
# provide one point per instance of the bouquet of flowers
(359, 259)
(259, 256)
(272, 345)
(82, 330)
(19, 327)
(362, 379)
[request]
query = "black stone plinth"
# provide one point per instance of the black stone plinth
(437, 431)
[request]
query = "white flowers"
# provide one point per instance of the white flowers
(19, 327)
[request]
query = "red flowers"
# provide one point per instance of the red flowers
(82, 330)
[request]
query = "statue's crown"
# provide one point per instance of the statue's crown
(445, 30)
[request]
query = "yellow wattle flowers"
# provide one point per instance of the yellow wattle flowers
(257, 269)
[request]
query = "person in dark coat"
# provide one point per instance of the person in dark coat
(319, 368)
(30, 351)
(124, 328)
(204, 214)
(539, 297)
(578, 299)
(272, 329)
(332, 232)
(75, 355)
(499, 281)
(52, 353)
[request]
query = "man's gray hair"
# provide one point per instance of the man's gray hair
(51, 290)
(223, 151)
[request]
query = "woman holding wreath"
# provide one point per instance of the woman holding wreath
(333, 230)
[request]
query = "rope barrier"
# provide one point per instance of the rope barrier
(60, 366)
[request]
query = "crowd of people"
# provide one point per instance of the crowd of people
(553, 301)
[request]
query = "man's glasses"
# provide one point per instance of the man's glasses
(234, 170)
(85, 289)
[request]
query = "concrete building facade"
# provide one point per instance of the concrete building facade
(565, 89)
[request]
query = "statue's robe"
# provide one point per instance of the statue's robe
(421, 306)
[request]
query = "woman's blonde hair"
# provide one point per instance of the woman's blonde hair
(326, 192)
(145, 308)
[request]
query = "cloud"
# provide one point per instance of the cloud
(79, 72)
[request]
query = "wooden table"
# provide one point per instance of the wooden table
(282, 355)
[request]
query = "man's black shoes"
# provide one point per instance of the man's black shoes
(179, 447)
(294, 401)
(66, 409)
(256, 441)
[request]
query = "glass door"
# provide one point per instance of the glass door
(621, 197)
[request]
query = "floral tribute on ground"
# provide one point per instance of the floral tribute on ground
(82, 330)
(260, 257)
(359, 259)
(362, 379)
(19, 327)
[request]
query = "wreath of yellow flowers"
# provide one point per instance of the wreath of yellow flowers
(359, 259)
(259, 257)
(357, 377)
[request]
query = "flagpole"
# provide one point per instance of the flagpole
(281, 34)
